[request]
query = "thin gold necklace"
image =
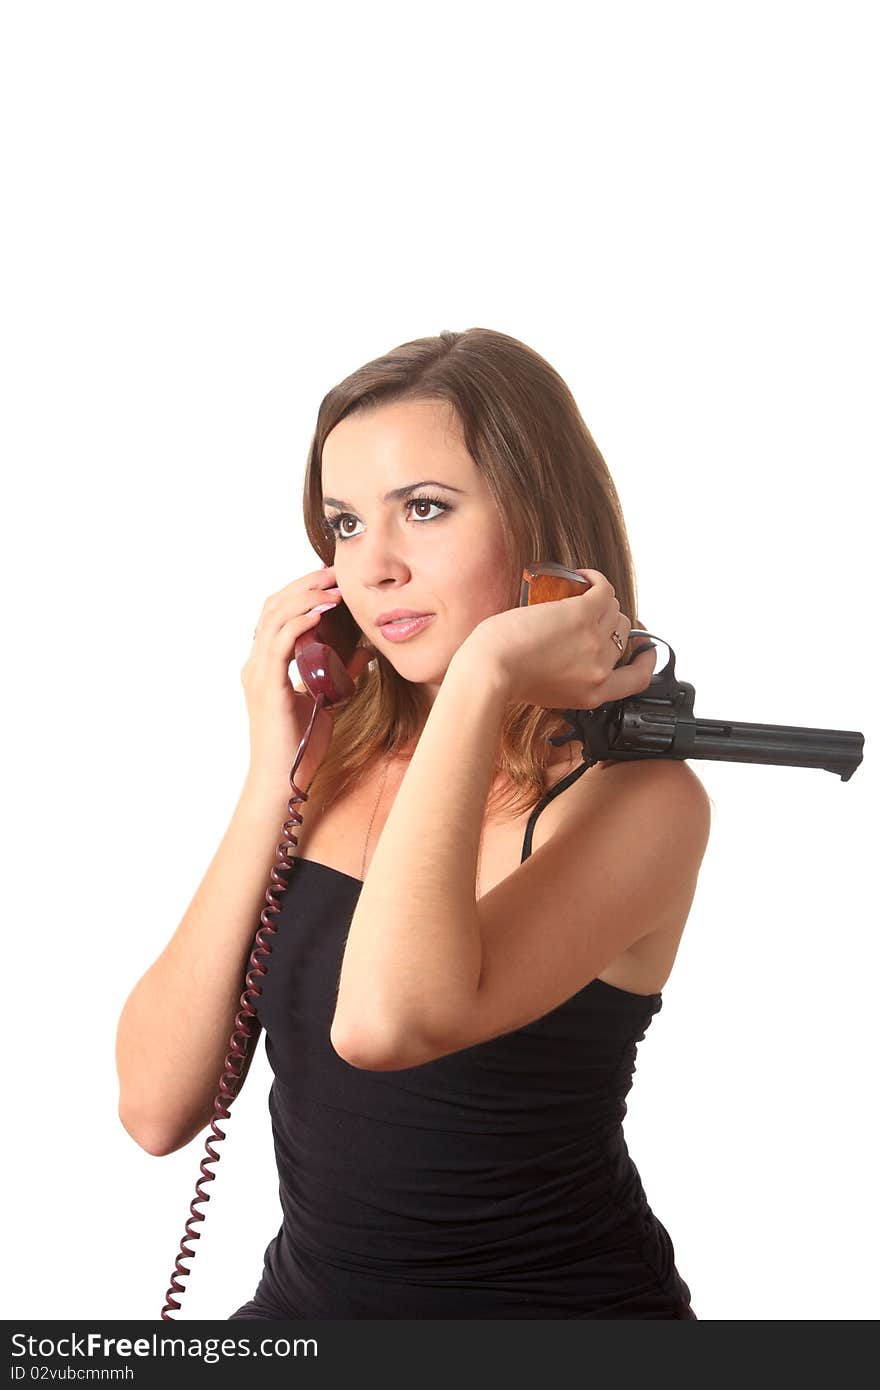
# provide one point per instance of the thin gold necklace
(382, 782)
(373, 816)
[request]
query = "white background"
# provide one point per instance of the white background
(213, 213)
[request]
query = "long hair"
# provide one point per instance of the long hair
(557, 502)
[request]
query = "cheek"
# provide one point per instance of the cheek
(479, 569)
(498, 585)
(487, 587)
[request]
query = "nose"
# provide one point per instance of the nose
(381, 561)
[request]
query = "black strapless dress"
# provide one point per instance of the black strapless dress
(494, 1182)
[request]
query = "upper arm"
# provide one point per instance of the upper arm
(605, 880)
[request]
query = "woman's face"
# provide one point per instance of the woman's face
(449, 560)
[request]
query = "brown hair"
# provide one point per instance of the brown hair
(557, 501)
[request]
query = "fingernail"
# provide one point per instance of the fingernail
(322, 607)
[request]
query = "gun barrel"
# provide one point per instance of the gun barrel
(788, 745)
(732, 740)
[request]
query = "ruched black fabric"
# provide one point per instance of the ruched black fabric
(494, 1182)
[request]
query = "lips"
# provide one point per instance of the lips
(403, 629)
(398, 615)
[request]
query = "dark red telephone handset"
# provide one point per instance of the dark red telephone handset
(322, 655)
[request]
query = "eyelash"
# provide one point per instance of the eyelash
(331, 524)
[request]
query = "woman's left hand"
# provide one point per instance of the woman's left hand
(560, 654)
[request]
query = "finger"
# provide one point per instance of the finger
(597, 579)
(618, 627)
(628, 680)
(320, 584)
(323, 579)
(601, 596)
(318, 580)
(279, 617)
(596, 590)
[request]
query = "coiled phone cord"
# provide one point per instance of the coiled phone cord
(247, 1025)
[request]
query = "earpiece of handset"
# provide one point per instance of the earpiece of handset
(322, 655)
(321, 671)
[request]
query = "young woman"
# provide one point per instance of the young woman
(452, 1031)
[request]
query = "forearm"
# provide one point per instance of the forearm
(413, 959)
(174, 1031)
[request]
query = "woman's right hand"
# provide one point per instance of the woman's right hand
(278, 711)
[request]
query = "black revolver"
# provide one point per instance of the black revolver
(660, 723)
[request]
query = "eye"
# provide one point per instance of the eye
(334, 524)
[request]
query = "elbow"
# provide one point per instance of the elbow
(358, 1049)
(148, 1138)
(145, 1139)
(379, 1050)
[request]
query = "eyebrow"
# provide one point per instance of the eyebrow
(396, 492)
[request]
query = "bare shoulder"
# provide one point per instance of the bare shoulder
(663, 782)
(662, 793)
